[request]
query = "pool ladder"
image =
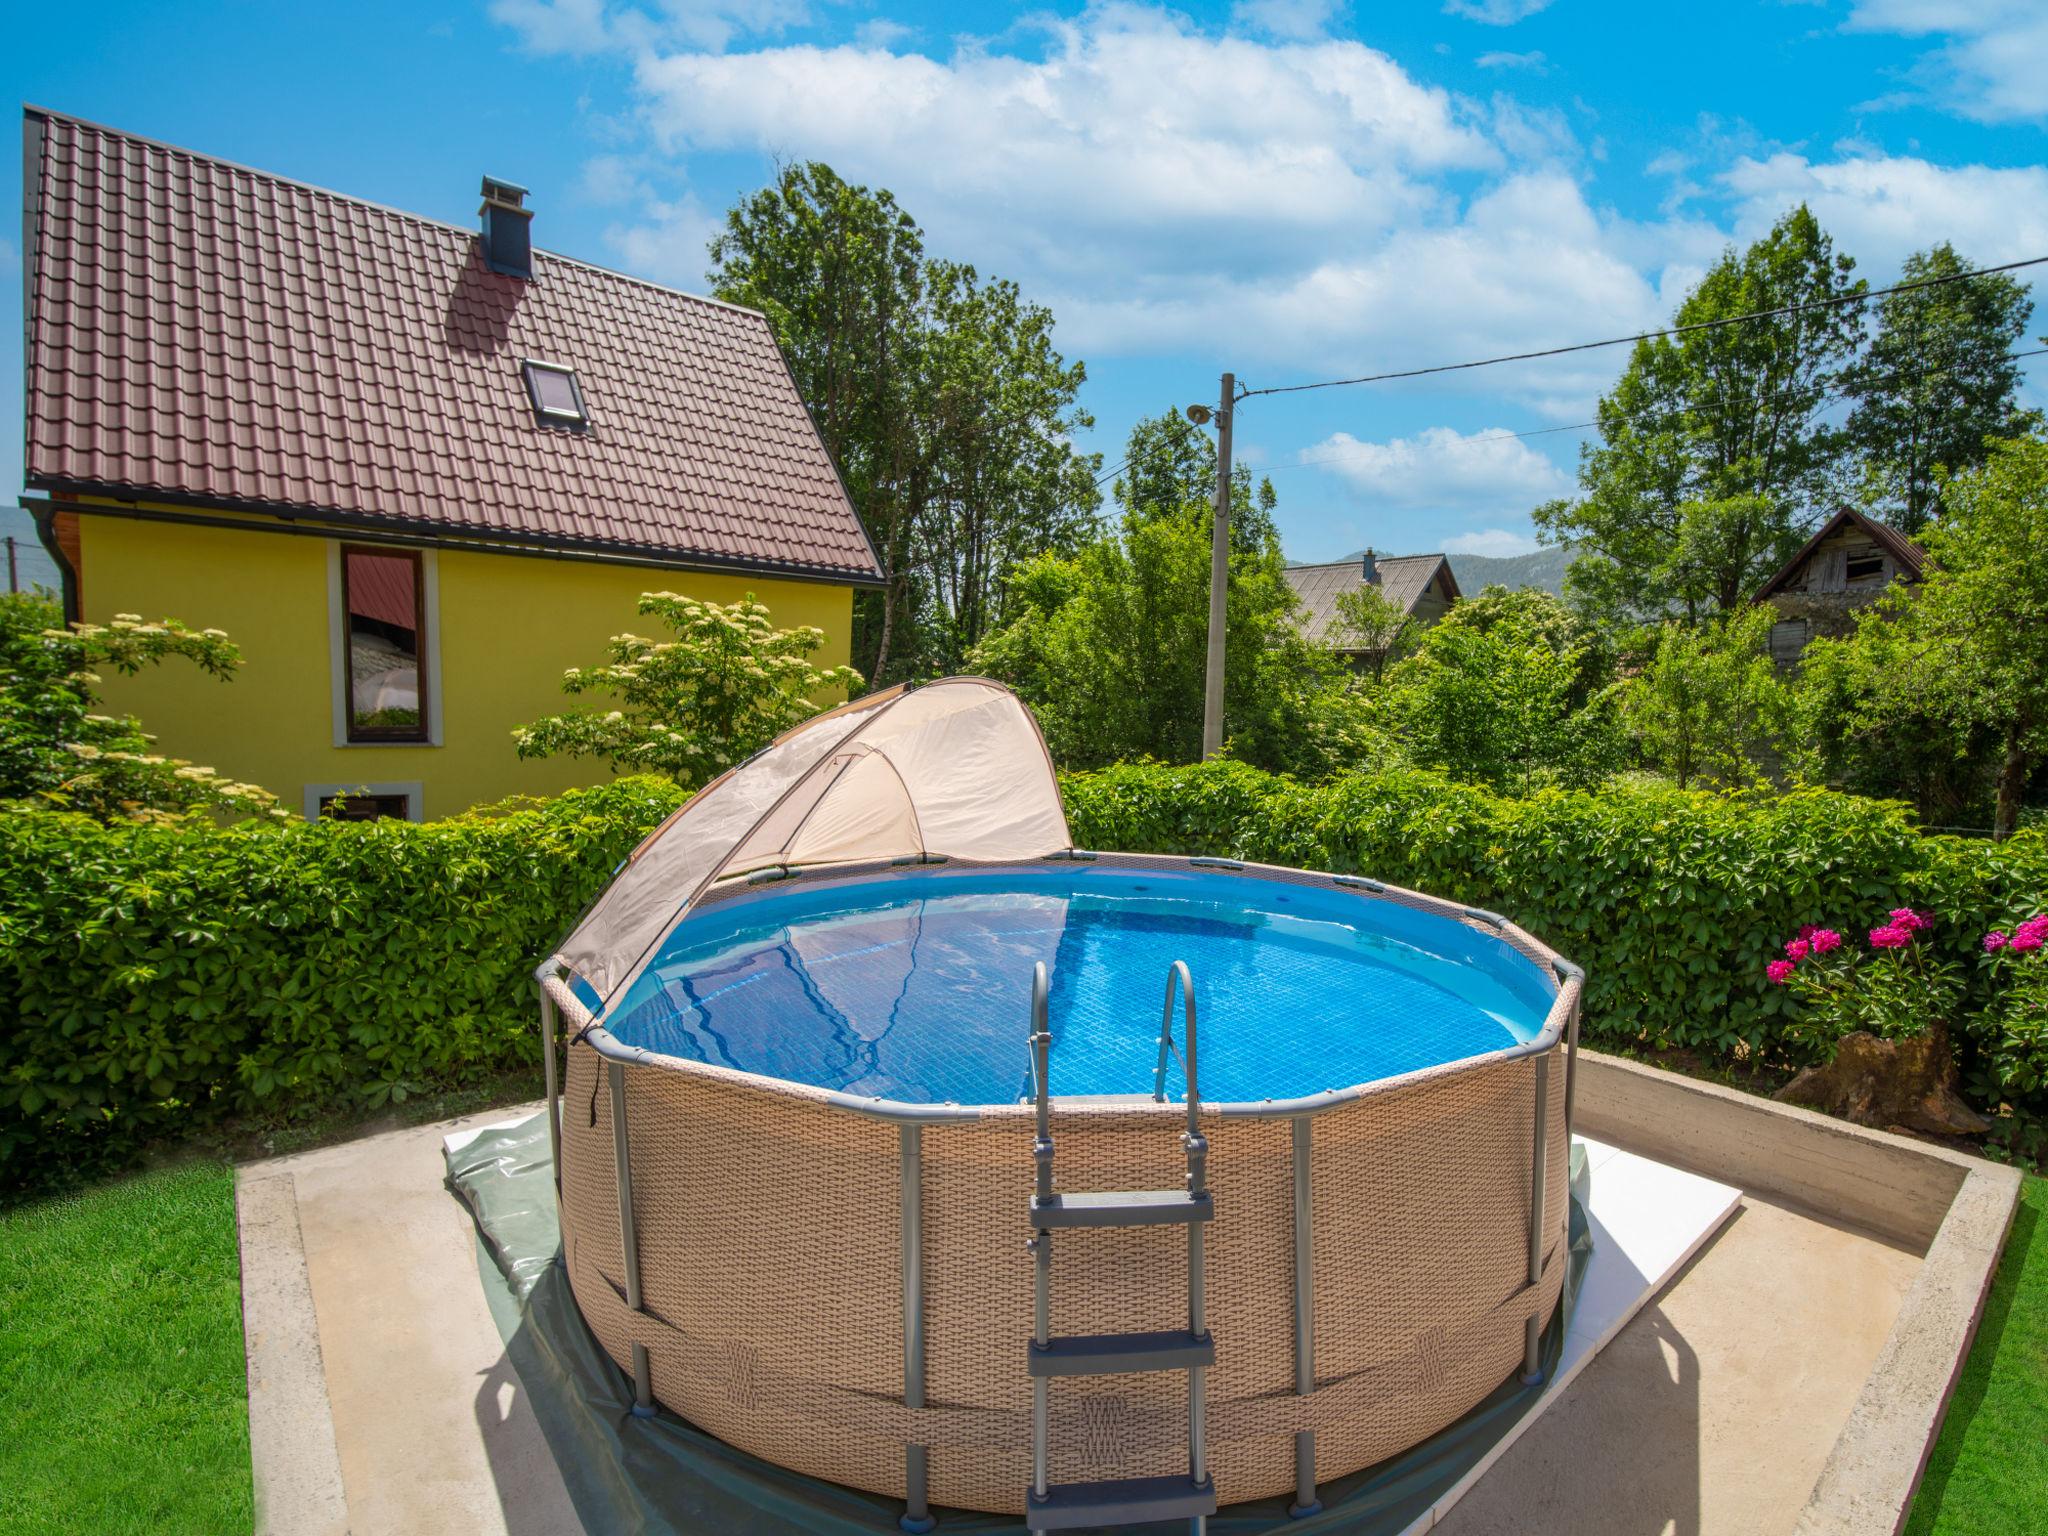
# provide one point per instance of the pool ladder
(1134, 1500)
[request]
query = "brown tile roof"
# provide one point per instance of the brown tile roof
(1902, 549)
(1403, 578)
(205, 332)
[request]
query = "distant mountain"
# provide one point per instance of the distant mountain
(1542, 568)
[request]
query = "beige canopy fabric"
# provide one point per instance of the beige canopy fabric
(955, 769)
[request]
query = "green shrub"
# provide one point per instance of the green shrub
(157, 978)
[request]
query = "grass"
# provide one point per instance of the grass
(1989, 1472)
(123, 1398)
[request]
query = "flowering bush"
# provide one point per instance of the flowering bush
(58, 750)
(729, 683)
(2013, 1028)
(1893, 990)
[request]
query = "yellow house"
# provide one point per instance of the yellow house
(414, 471)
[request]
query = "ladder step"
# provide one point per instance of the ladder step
(1121, 1501)
(1106, 1354)
(1124, 1208)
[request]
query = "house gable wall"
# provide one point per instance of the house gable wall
(509, 625)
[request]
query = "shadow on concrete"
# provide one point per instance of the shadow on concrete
(530, 1492)
(1618, 1454)
(1969, 1394)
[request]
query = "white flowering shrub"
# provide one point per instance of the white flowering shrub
(58, 749)
(726, 685)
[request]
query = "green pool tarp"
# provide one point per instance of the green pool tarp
(662, 1475)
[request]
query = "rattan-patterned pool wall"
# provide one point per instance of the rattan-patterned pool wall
(780, 1299)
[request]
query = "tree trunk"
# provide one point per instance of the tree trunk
(888, 620)
(2012, 782)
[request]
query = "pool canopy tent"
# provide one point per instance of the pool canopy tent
(954, 769)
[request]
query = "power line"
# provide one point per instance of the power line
(1835, 396)
(1675, 330)
(1829, 396)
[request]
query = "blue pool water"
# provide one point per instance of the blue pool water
(917, 987)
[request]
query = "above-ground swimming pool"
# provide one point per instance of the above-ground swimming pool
(916, 985)
(815, 1091)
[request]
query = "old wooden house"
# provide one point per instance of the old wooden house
(1847, 564)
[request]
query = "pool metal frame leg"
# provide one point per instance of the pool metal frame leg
(629, 1237)
(550, 1029)
(917, 1515)
(1539, 1175)
(1305, 1501)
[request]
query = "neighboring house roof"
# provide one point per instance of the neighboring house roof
(1902, 549)
(200, 332)
(1403, 578)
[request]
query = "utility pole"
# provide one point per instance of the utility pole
(1219, 575)
(13, 576)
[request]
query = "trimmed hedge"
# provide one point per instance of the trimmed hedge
(158, 978)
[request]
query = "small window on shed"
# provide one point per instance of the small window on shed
(557, 397)
(1865, 567)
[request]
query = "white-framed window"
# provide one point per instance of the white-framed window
(403, 800)
(384, 652)
(556, 393)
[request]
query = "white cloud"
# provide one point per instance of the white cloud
(1497, 543)
(1991, 64)
(608, 180)
(881, 32)
(1286, 18)
(582, 27)
(1444, 470)
(669, 243)
(1533, 61)
(1494, 13)
(1880, 209)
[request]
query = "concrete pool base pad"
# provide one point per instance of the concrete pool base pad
(1792, 1375)
(379, 1344)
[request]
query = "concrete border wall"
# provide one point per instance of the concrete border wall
(1953, 1209)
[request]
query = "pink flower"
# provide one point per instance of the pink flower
(2025, 941)
(1994, 941)
(1890, 936)
(1780, 971)
(1825, 939)
(2035, 927)
(1807, 930)
(1908, 919)
(1799, 949)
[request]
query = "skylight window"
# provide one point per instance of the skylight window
(557, 397)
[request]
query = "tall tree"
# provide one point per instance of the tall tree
(1975, 628)
(839, 272)
(938, 393)
(1107, 644)
(995, 404)
(1708, 703)
(1937, 381)
(1714, 453)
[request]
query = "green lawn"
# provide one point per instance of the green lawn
(1989, 1472)
(123, 1399)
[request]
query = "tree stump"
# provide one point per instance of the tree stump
(1877, 1082)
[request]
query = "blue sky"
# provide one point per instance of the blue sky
(1288, 188)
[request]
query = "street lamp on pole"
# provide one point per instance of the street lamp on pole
(1219, 564)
